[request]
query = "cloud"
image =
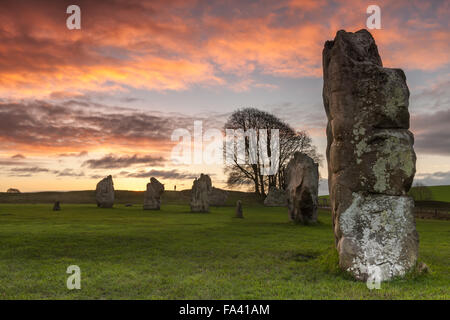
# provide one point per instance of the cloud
(435, 97)
(113, 162)
(78, 155)
(433, 179)
(69, 173)
(96, 176)
(18, 156)
(432, 132)
(177, 45)
(29, 170)
(169, 174)
(7, 162)
(39, 125)
(14, 160)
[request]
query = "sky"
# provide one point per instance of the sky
(78, 105)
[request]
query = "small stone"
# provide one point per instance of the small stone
(239, 213)
(423, 268)
(56, 206)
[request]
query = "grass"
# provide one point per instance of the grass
(440, 193)
(128, 253)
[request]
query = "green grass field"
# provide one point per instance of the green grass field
(128, 253)
(440, 193)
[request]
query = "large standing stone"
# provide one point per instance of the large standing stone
(217, 197)
(275, 198)
(302, 177)
(104, 194)
(200, 194)
(371, 161)
(152, 200)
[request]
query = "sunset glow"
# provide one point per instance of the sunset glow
(78, 105)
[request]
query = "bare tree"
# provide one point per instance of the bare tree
(290, 141)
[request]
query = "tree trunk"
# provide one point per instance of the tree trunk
(256, 186)
(261, 183)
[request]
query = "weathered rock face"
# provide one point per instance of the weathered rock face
(371, 161)
(104, 193)
(302, 177)
(200, 194)
(239, 213)
(275, 198)
(217, 197)
(152, 200)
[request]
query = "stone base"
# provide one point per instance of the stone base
(152, 204)
(199, 208)
(105, 205)
(379, 238)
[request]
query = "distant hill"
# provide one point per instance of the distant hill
(438, 193)
(121, 197)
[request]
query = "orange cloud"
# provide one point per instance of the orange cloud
(175, 45)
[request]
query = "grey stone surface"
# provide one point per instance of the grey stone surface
(104, 193)
(275, 198)
(302, 177)
(200, 194)
(371, 160)
(153, 194)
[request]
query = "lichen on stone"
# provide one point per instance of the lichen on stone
(379, 227)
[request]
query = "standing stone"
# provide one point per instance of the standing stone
(155, 189)
(371, 160)
(275, 198)
(217, 197)
(57, 206)
(302, 178)
(104, 194)
(200, 194)
(239, 213)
